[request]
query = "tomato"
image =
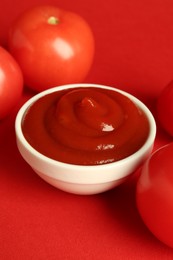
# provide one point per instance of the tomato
(165, 108)
(52, 46)
(154, 194)
(11, 83)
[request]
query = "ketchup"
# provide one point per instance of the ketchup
(85, 126)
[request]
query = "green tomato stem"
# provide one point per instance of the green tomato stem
(53, 20)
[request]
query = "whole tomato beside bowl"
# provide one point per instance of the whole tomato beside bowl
(165, 108)
(154, 194)
(52, 46)
(11, 83)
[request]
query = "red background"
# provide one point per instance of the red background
(134, 52)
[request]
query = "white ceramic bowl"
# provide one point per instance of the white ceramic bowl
(83, 179)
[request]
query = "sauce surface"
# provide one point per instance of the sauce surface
(85, 126)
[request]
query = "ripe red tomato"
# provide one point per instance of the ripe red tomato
(165, 108)
(11, 83)
(52, 47)
(154, 194)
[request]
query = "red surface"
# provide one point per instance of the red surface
(134, 51)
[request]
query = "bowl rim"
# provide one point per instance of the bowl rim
(19, 134)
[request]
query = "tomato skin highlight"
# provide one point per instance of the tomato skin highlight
(11, 83)
(165, 108)
(52, 46)
(154, 194)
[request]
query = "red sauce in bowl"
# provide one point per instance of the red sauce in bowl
(85, 126)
